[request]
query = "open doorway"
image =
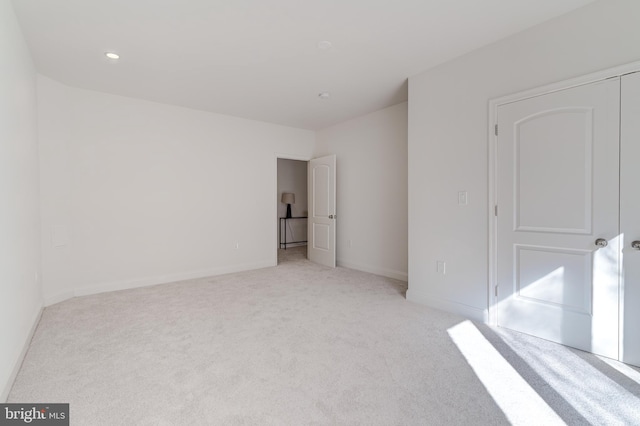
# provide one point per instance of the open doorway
(292, 210)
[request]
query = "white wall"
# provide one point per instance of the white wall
(292, 177)
(371, 150)
(137, 193)
(20, 291)
(448, 115)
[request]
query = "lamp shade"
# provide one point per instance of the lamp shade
(288, 198)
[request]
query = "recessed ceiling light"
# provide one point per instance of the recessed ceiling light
(324, 45)
(324, 95)
(111, 55)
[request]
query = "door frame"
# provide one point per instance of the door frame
(492, 147)
(274, 209)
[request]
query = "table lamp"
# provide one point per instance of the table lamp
(288, 198)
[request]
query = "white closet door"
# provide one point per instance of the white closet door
(557, 191)
(630, 214)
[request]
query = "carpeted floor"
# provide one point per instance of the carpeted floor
(304, 344)
(292, 254)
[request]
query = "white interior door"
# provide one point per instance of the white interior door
(321, 176)
(557, 192)
(630, 214)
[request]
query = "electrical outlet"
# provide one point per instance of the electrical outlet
(463, 198)
(237, 245)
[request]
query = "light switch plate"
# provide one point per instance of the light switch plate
(463, 198)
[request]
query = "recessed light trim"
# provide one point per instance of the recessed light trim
(111, 55)
(324, 95)
(324, 45)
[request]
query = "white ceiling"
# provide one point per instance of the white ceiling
(259, 59)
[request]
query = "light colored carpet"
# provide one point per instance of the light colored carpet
(292, 254)
(299, 344)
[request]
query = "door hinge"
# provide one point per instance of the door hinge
(495, 130)
(495, 291)
(495, 210)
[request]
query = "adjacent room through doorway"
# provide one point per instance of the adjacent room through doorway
(292, 209)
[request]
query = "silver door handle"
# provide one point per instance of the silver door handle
(635, 245)
(601, 242)
(330, 216)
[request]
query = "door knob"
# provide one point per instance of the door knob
(330, 216)
(601, 242)
(635, 245)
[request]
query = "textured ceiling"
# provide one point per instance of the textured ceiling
(259, 59)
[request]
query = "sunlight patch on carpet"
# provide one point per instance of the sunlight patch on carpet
(595, 395)
(631, 373)
(517, 399)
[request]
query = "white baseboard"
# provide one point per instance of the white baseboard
(149, 281)
(471, 312)
(389, 273)
(23, 353)
(58, 297)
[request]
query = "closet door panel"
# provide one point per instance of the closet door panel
(557, 230)
(630, 215)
